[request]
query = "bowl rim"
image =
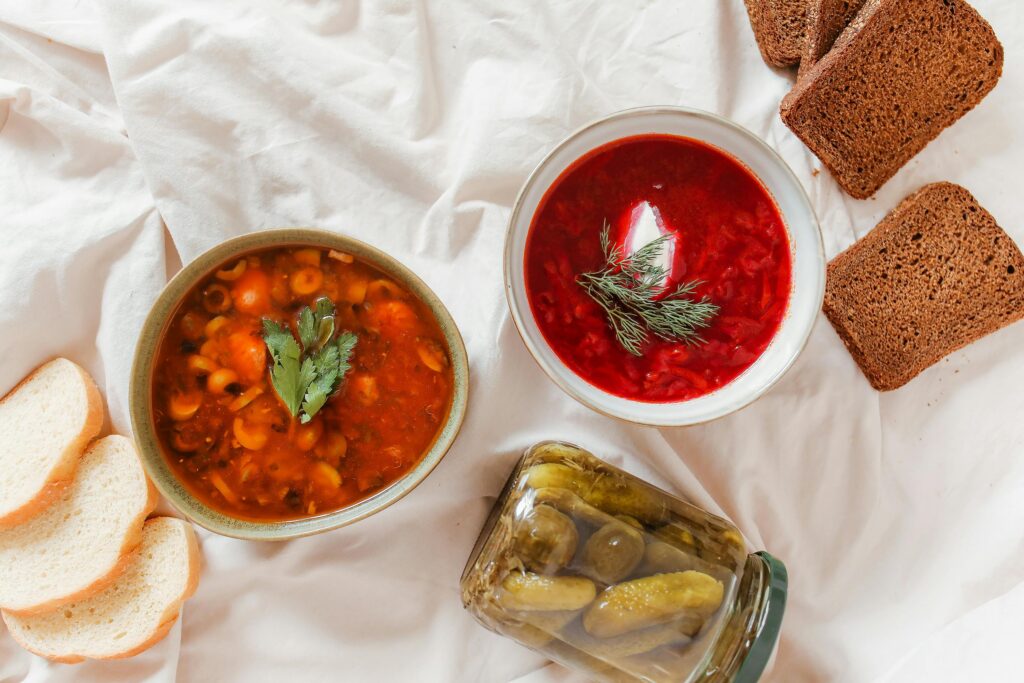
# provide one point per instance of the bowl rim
(147, 346)
(555, 370)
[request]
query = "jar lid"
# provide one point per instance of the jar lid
(771, 623)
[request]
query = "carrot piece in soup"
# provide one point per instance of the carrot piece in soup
(248, 356)
(251, 292)
(393, 315)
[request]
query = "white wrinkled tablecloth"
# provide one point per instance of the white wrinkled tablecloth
(137, 134)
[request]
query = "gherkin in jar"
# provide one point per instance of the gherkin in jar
(545, 539)
(606, 574)
(652, 601)
(612, 552)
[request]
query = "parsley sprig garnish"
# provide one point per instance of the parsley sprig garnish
(627, 288)
(306, 377)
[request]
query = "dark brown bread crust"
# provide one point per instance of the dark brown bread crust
(902, 72)
(826, 19)
(935, 275)
(779, 29)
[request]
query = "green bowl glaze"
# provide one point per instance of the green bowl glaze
(140, 395)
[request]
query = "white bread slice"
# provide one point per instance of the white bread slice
(133, 614)
(45, 423)
(84, 541)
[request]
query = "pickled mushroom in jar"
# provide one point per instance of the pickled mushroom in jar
(545, 539)
(653, 600)
(529, 592)
(612, 552)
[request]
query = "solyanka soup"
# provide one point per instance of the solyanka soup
(295, 381)
(715, 239)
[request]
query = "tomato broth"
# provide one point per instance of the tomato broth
(725, 231)
(228, 436)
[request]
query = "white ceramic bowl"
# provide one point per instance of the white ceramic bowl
(808, 258)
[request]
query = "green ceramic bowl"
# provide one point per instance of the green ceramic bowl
(140, 394)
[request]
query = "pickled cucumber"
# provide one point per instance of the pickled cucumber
(652, 600)
(549, 622)
(677, 535)
(572, 505)
(554, 451)
(527, 634)
(634, 643)
(545, 539)
(733, 538)
(557, 475)
(536, 629)
(717, 546)
(529, 592)
(598, 669)
(611, 494)
(662, 558)
(612, 552)
(665, 558)
(632, 521)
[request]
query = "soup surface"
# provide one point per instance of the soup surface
(231, 439)
(723, 230)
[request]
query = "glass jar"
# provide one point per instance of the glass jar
(611, 576)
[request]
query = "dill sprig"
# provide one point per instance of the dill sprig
(627, 288)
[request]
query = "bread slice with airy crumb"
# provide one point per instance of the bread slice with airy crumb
(46, 422)
(779, 27)
(132, 614)
(935, 275)
(900, 74)
(826, 20)
(82, 542)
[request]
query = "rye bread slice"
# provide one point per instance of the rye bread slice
(779, 29)
(901, 73)
(826, 19)
(935, 275)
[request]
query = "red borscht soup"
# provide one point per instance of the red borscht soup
(724, 230)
